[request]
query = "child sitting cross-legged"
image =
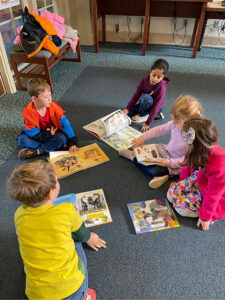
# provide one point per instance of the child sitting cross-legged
(45, 126)
(200, 191)
(182, 109)
(148, 101)
(54, 265)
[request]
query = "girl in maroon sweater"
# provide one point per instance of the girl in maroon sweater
(147, 102)
(200, 191)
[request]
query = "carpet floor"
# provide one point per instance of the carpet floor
(180, 263)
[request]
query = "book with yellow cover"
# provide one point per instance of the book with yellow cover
(152, 215)
(66, 163)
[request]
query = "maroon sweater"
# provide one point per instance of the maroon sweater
(157, 92)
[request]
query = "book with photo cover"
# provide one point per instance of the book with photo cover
(114, 130)
(152, 215)
(66, 163)
(148, 155)
(91, 206)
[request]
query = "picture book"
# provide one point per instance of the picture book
(148, 154)
(91, 206)
(66, 163)
(114, 129)
(152, 215)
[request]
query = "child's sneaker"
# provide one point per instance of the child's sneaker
(91, 295)
(159, 116)
(27, 153)
(127, 154)
(156, 182)
(139, 119)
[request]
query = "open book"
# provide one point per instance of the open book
(114, 129)
(66, 163)
(152, 215)
(148, 154)
(91, 206)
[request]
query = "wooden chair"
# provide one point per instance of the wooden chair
(41, 63)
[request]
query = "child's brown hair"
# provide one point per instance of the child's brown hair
(206, 135)
(30, 183)
(186, 107)
(35, 86)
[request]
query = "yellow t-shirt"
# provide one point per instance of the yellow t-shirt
(48, 251)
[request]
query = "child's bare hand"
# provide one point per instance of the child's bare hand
(95, 242)
(162, 162)
(137, 142)
(204, 225)
(73, 149)
(173, 183)
(145, 127)
(53, 130)
(125, 111)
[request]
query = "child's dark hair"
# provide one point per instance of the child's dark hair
(206, 135)
(161, 64)
(30, 183)
(35, 86)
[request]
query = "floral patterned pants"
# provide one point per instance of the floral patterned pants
(186, 194)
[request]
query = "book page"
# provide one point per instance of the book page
(54, 154)
(92, 208)
(115, 121)
(121, 140)
(97, 128)
(70, 163)
(148, 154)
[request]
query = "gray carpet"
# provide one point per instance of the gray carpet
(179, 263)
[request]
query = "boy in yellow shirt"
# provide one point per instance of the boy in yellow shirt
(54, 268)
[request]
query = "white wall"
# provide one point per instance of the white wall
(78, 14)
(162, 29)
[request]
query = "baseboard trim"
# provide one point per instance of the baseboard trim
(157, 38)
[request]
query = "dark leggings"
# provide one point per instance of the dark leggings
(152, 171)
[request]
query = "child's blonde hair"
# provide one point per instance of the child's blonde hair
(35, 86)
(186, 107)
(30, 183)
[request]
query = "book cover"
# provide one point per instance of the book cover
(91, 206)
(114, 130)
(148, 154)
(152, 215)
(66, 163)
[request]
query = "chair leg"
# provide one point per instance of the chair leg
(16, 72)
(79, 51)
(47, 73)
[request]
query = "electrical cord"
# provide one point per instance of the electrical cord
(176, 31)
(217, 33)
(139, 35)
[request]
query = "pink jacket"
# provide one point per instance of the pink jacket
(211, 182)
(56, 20)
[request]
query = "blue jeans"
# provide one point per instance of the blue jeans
(152, 171)
(55, 142)
(82, 292)
(143, 107)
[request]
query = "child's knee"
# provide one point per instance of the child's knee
(61, 137)
(146, 99)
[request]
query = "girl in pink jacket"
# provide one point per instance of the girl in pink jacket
(200, 191)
